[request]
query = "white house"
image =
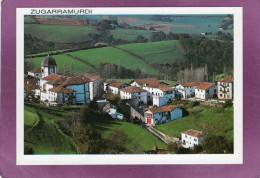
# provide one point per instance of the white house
(35, 73)
(111, 110)
(159, 115)
(136, 96)
(191, 137)
(205, 90)
(186, 89)
(144, 82)
(225, 87)
(158, 92)
(113, 86)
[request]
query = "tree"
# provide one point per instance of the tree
(119, 69)
(71, 69)
(117, 141)
(58, 69)
(64, 68)
(172, 147)
(28, 150)
(217, 144)
(28, 65)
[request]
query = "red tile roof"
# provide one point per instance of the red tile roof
(205, 85)
(193, 133)
(189, 84)
(106, 107)
(114, 83)
(31, 81)
(133, 89)
(73, 81)
(165, 88)
(162, 109)
(226, 79)
(148, 81)
(35, 70)
(61, 89)
(89, 76)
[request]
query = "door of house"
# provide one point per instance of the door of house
(149, 121)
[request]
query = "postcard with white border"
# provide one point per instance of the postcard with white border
(129, 85)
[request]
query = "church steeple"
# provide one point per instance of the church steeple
(48, 66)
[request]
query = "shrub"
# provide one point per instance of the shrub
(28, 150)
(197, 149)
(227, 103)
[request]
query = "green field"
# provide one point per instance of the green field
(29, 19)
(79, 67)
(46, 136)
(30, 116)
(59, 33)
(210, 120)
(130, 34)
(112, 55)
(156, 52)
(134, 132)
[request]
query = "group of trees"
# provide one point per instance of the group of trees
(108, 70)
(88, 140)
(212, 144)
(202, 60)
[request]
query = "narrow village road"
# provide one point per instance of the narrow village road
(163, 137)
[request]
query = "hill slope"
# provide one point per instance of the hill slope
(155, 52)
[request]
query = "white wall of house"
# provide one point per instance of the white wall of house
(164, 99)
(225, 90)
(94, 89)
(185, 92)
(204, 94)
(136, 84)
(162, 117)
(189, 141)
(136, 98)
(36, 75)
(114, 90)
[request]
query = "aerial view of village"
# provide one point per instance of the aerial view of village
(128, 84)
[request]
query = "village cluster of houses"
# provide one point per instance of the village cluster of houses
(54, 89)
(148, 94)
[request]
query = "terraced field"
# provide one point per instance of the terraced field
(46, 137)
(130, 34)
(112, 55)
(79, 67)
(59, 33)
(155, 52)
(30, 116)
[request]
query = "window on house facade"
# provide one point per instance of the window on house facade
(195, 139)
(185, 136)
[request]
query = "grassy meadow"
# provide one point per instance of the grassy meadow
(155, 52)
(136, 133)
(79, 67)
(209, 120)
(59, 33)
(130, 34)
(112, 55)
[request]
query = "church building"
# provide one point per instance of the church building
(58, 89)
